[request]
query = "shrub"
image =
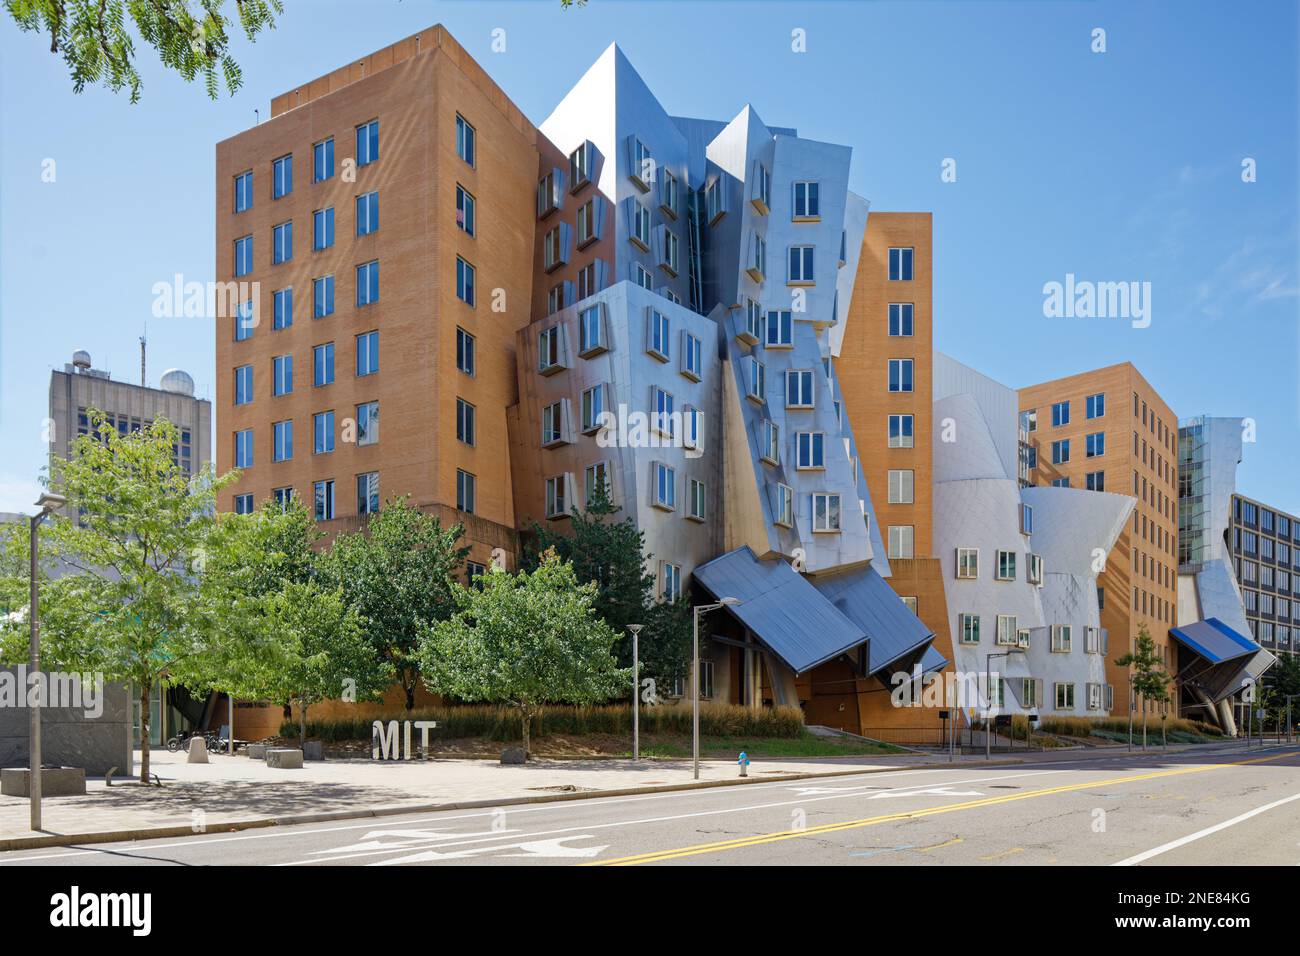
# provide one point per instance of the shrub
(500, 723)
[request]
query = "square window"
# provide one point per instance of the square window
(900, 431)
(810, 450)
(826, 512)
(968, 564)
(779, 329)
(799, 267)
(900, 319)
(900, 265)
(901, 541)
(799, 388)
(900, 375)
(805, 200)
(901, 485)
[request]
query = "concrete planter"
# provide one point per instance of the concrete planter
(55, 782)
(313, 750)
(257, 751)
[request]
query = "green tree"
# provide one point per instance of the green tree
(133, 609)
(15, 564)
(526, 639)
(192, 37)
(1149, 678)
(1284, 677)
(399, 574)
(611, 554)
(314, 649)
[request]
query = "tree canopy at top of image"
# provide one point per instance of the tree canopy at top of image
(192, 37)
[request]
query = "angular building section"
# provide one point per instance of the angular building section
(1266, 556)
(1109, 430)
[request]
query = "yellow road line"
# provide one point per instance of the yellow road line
(997, 856)
(940, 846)
(660, 856)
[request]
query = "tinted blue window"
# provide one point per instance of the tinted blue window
(900, 318)
(243, 385)
(368, 283)
(282, 176)
(367, 143)
(282, 237)
(282, 300)
(322, 290)
(243, 256)
(322, 228)
(244, 191)
(323, 160)
(324, 432)
(283, 441)
(323, 361)
(244, 321)
(367, 353)
(244, 448)
(367, 213)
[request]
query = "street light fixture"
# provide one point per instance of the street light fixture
(695, 675)
(636, 693)
(47, 502)
(988, 690)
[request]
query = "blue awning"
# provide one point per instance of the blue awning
(780, 608)
(1214, 640)
(899, 639)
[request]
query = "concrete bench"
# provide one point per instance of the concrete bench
(55, 782)
(257, 751)
(284, 759)
(313, 750)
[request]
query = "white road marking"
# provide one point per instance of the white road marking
(932, 791)
(533, 849)
(403, 819)
(1193, 837)
(344, 854)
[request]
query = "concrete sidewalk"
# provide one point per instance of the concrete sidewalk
(231, 793)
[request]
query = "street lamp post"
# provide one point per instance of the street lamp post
(47, 503)
(636, 692)
(695, 675)
(988, 691)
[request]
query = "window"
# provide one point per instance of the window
(757, 384)
(1026, 519)
(715, 201)
(464, 421)
(244, 448)
(799, 388)
(642, 278)
(282, 377)
(799, 267)
(367, 353)
(1095, 481)
(582, 162)
(901, 485)
(784, 505)
(464, 281)
(1006, 570)
(322, 229)
(465, 137)
(323, 497)
(552, 424)
(1062, 638)
(1060, 414)
(757, 268)
(968, 627)
(640, 231)
(695, 500)
(809, 450)
(555, 247)
(322, 294)
(244, 192)
(900, 319)
(592, 338)
(282, 439)
(1060, 482)
(243, 256)
(692, 427)
(243, 504)
(805, 200)
(750, 332)
(368, 493)
(1034, 568)
(900, 431)
(322, 160)
(590, 220)
(368, 423)
(665, 487)
(1095, 405)
(668, 194)
(670, 588)
(692, 357)
(826, 512)
(642, 167)
(322, 359)
(323, 430)
(464, 209)
(661, 410)
(550, 351)
(593, 408)
(282, 243)
(367, 143)
(770, 451)
(281, 309)
(761, 190)
(557, 496)
(1061, 452)
(1007, 635)
(368, 213)
(243, 384)
(900, 542)
(1064, 696)
(968, 563)
(1094, 641)
(1096, 445)
(245, 321)
(282, 176)
(900, 375)
(900, 265)
(779, 329)
(466, 491)
(464, 352)
(368, 283)
(597, 482)
(657, 337)
(670, 252)
(550, 193)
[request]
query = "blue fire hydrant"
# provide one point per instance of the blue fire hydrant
(744, 764)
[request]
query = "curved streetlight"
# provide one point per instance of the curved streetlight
(47, 502)
(695, 675)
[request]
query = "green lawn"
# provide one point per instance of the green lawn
(759, 747)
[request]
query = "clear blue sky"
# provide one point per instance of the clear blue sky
(1116, 166)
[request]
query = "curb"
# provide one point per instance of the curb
(154, 833)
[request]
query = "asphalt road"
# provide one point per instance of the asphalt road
(1221, 808)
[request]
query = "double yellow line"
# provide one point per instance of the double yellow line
(698, 849)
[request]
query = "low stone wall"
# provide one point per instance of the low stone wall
(69, 738)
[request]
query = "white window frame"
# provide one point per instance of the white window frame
(968, 564)
(827, 512)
